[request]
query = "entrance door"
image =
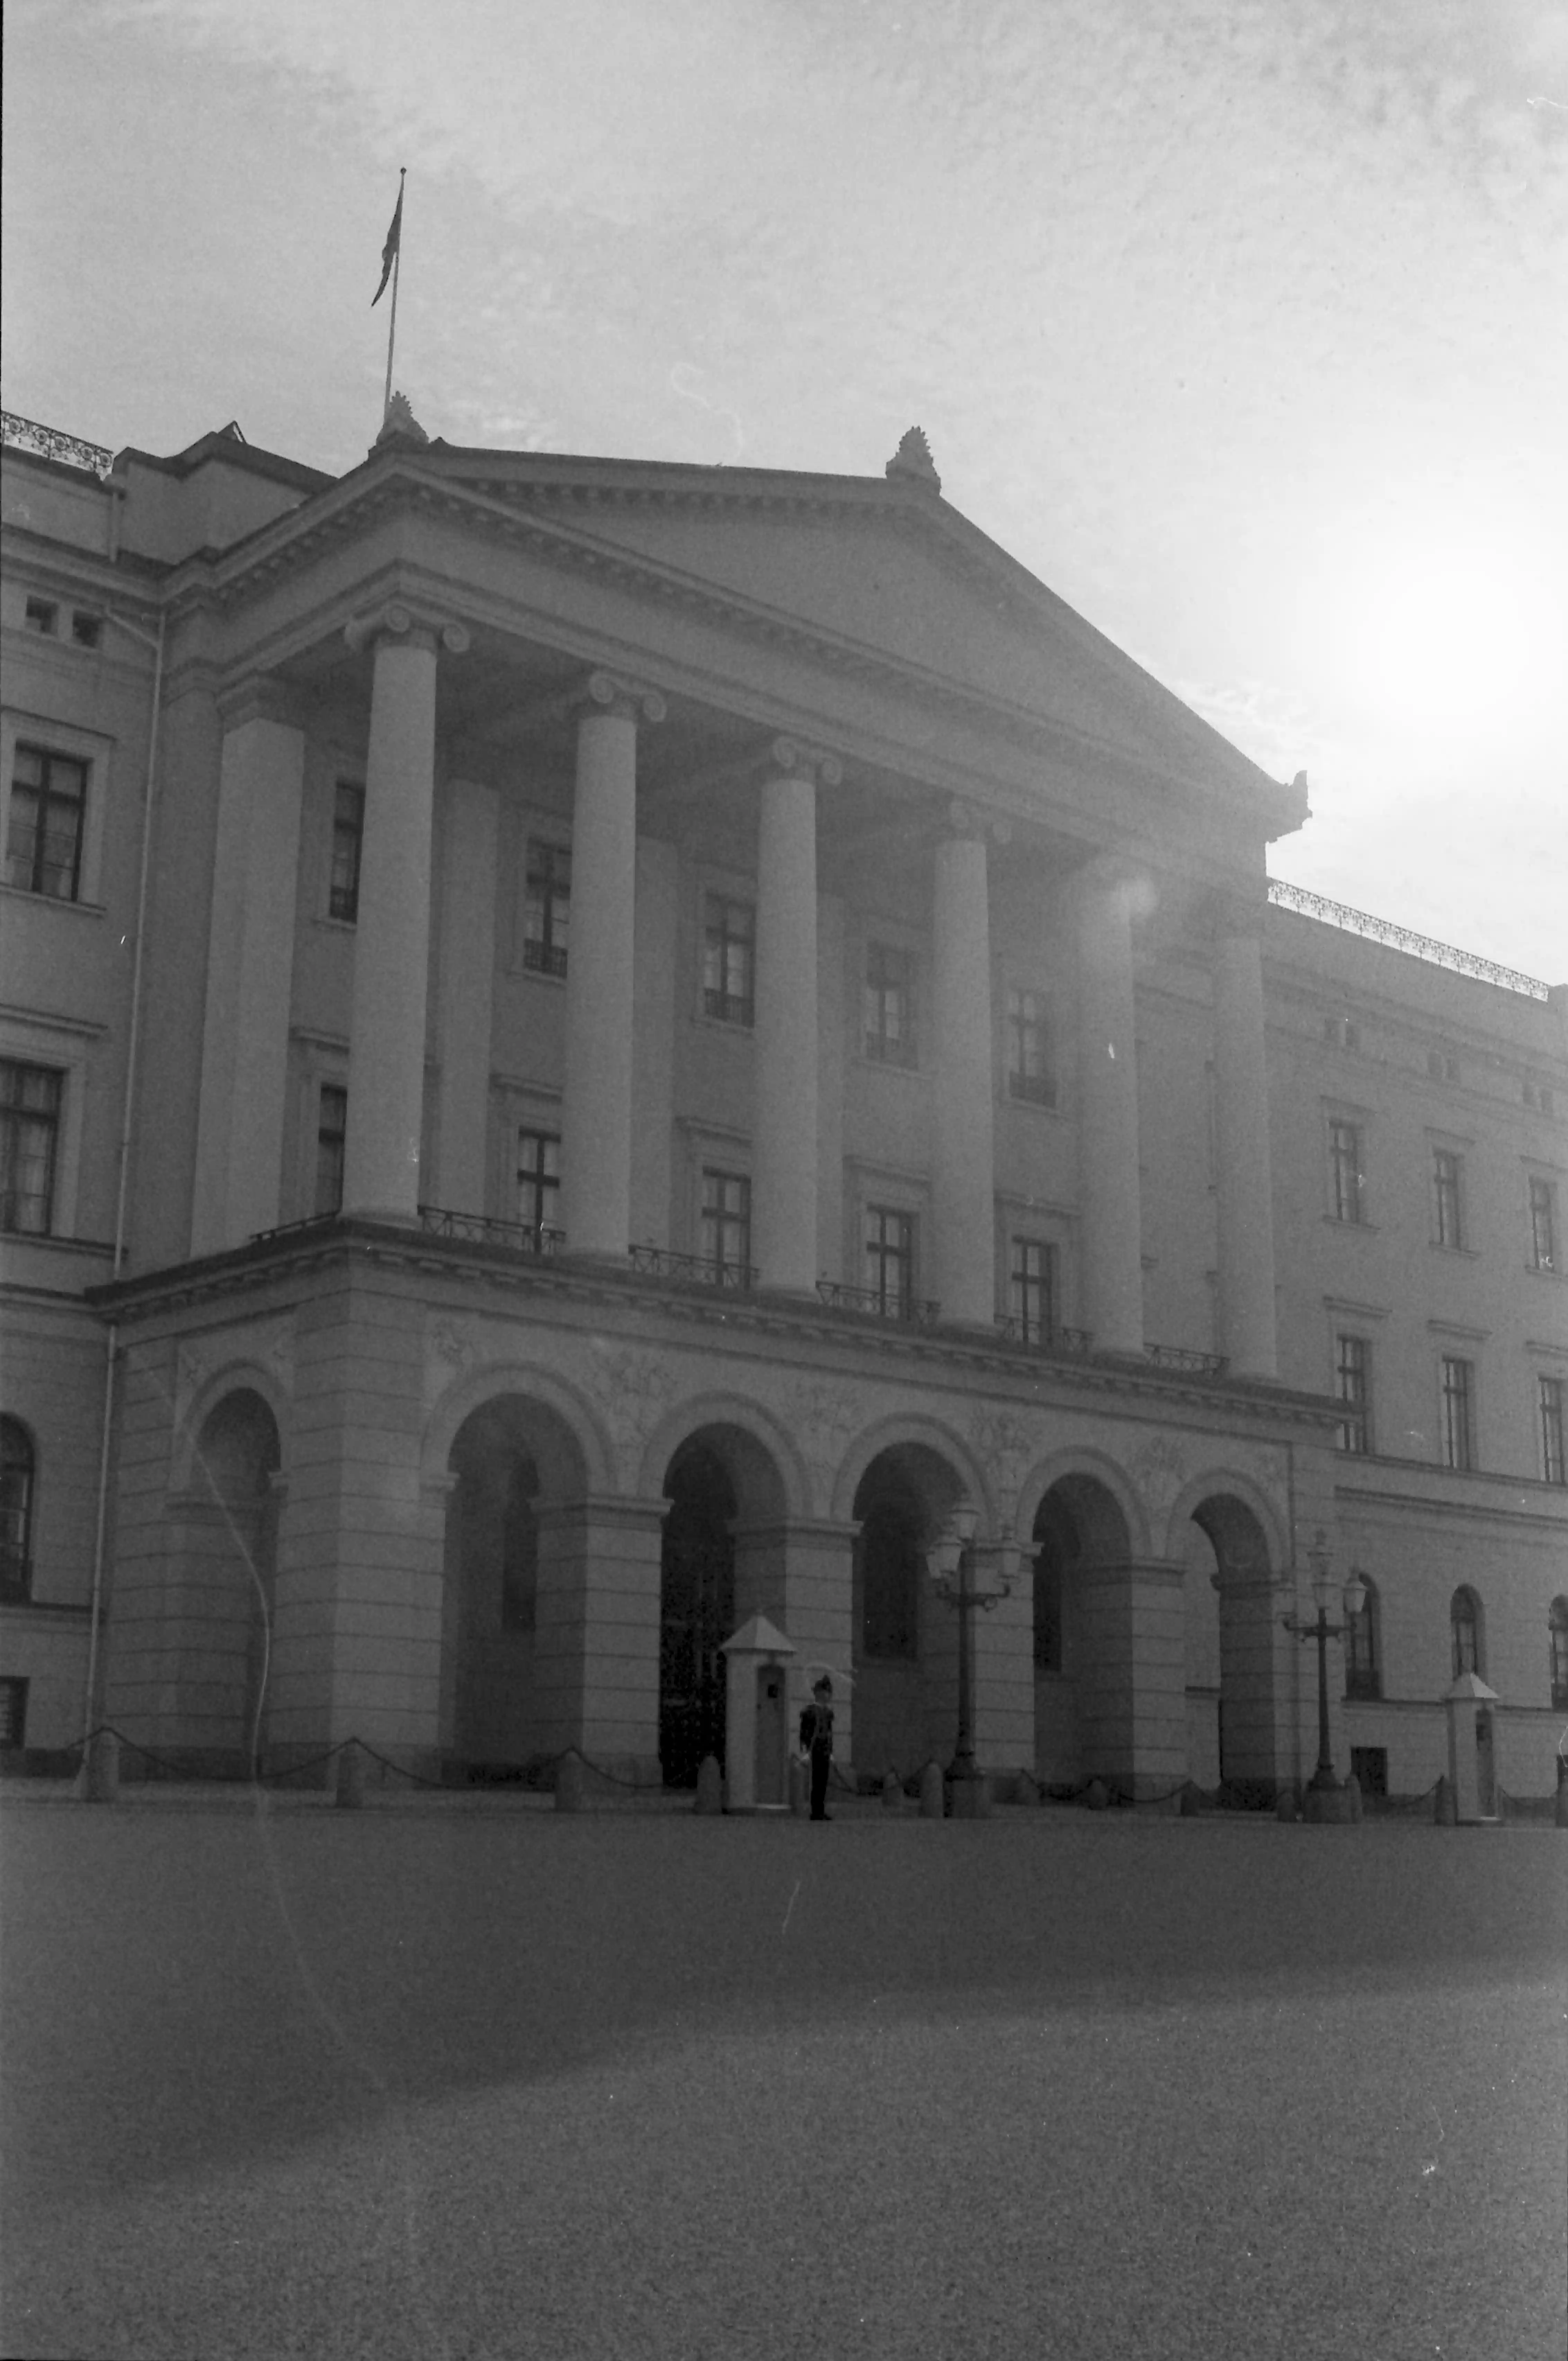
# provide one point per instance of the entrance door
(1486, 1766)
(696, 1614)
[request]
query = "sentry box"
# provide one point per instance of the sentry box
(756, 1749)
(1472, 1756)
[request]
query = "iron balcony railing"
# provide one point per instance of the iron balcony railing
(484, 1230)
(1402, 939)
(1181, 1356)
(700, 1270)
(1055, 1339)
(52, 443)
(870, 1302)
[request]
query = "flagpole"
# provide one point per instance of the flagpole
(393, 323)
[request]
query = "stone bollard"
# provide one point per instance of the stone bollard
(571, 1789)
(1561, 1817)
(1097, 1795)
(933, 1802)
(1189, 1804)
(1026, 1788)
(350, 1793)
(101, 1768)
(1445, 1814)
(892, 1792)
(799, 1787)
(1354, 1794)
(709, 1785)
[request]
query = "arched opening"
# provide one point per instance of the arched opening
(511, 1460)
(18, 1471)
(1078, 1526)
(1248, 1740)
(697, 1608)
(904, 1640)
(234, 1545)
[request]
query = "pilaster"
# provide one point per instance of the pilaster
(963, 1153)
(1243, 1187)
(1132, 1674)
(785, 1108)
(1110, 1221)
(465, 992)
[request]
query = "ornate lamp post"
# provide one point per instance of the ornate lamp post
(953, 1566)
(1323, 1784)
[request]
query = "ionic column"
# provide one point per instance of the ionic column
(596, 1115)
(392, 949)
(250, 970)
(1109, 1218)
(784, 1121)
(1242, 1188)
(465, 992)
(963, 1164)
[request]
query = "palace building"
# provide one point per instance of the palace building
(595, 1049)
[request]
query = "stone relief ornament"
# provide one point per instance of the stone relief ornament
(1005, 1445)
(913, 457)
(635, 1389)
(1159, 1472)
(822, 1417)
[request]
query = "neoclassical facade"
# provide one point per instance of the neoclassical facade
(593, 1049)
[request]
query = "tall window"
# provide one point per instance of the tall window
(1029, 1049)
(1465, 1628)
(43, 840)
(30, 1131)
(1458, 1413)
(1543, 1224)
(727, 1225)
(1554, 1466)
(890, 1261)
(1445, 1227)
(18, 1468)
(547, 908)
(1033, 1283)
(1352, 1383)
(1346, 1171)
(331, 1126)
(1558, 1632)
(347, 837)
(42, 615)
(730, 960)
(13, 1713)
(537, 1180)
(1362, 1676)
(889, 1005)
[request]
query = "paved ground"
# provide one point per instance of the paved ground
(445, 2086)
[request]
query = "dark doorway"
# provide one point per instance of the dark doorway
(696, 1612)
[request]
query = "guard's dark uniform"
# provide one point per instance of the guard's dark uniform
(817, 1737)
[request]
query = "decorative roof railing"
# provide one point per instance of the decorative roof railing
(53, 443)
(1402, 939)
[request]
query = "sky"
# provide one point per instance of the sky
(1243, 323)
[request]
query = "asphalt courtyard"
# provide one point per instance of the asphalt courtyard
(446, 2084)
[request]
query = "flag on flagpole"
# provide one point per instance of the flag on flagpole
(390, 251)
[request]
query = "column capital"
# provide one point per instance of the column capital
(614, 693)
(409, 626)
(793, 758)
(260, 697)
(1112, 872)
(964, 823)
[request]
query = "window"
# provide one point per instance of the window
(43, 841)
(1543, 1224)
(1557, 1628)
(18, 1467)
(1442, 1065)
(1537, 1095)
(1352, 1384)
(728, 960)
(1446, 1225)
(1464, 1626)
(1033, 1290)
(331, 1126)
(13, 1713)
(1458, 1413)
(1029, 1074)
(547, 908)
(1369, 1769)
(1553, 1467)
(1345, 1169)
(889, 1548)
(43, 616)
(347, 839)
(86, 629)
(29, 1130)
(1362, 1677)
(539, 1180)
(890, 1261)
(1343, 1032)
(889, 1005)
(727, 1225)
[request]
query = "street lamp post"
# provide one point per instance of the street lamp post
(953, 1562)
(1323, 1785)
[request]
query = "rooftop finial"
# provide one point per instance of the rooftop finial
(913, 457)
(401, 425)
